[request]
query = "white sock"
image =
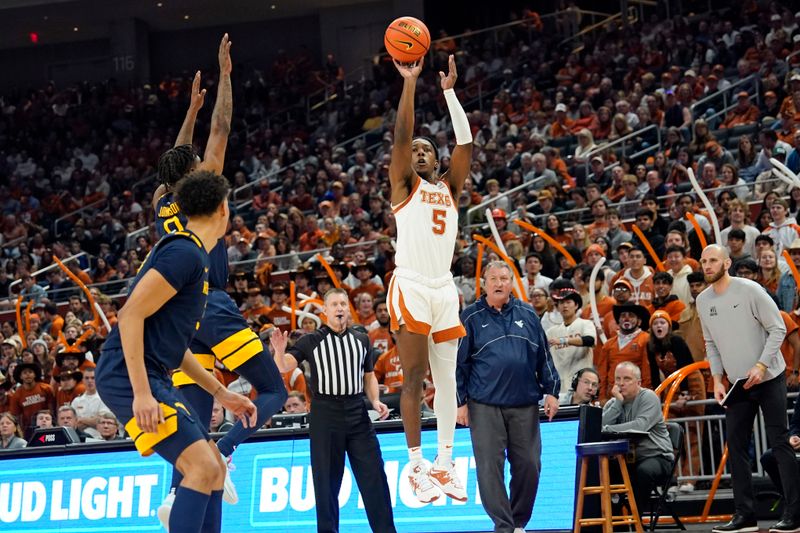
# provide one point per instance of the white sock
(445, 457)
(415, 455)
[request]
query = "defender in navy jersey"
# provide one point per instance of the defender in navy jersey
(223, 333)
(155, 327)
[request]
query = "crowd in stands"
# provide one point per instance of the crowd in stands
(593, 135)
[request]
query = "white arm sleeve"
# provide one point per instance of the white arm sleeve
(458, 117)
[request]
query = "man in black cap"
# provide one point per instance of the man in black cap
(629, 344)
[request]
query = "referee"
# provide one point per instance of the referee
(341, 362)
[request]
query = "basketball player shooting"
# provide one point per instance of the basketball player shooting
(423, 300)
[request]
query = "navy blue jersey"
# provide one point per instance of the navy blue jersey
(181, 259)
(170, 219)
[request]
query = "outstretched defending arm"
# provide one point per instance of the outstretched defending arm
(462, 154)
(196, 100)
(186, 134)
(400, 171)
(214, 156)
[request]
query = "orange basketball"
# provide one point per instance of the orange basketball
(407, 39)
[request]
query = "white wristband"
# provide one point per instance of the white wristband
(458, 117)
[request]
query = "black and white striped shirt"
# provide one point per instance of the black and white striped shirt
(338, 360)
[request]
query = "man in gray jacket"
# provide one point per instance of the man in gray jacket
(743, 330)
(633, 408)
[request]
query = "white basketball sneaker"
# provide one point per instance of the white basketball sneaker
(229, 494)
(447, 480)
(165, 509)
(421, 484)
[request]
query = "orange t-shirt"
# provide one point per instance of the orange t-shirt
(64, 397)
(611, 355)
(388, 371)
(380, 339)
(25, 403)
(786, 347)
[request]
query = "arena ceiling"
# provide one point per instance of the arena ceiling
(60, 21)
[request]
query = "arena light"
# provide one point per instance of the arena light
(34, 37)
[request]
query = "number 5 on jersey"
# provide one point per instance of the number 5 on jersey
(439, 220)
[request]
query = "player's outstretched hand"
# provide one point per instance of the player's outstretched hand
(409, 70)
(198, 96)
(240, 406)
(225, 63)
(278, 340)
(449, 81)
(147, 412)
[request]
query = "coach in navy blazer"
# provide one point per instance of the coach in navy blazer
(504, 370)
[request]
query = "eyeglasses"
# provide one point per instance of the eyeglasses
(590, 384)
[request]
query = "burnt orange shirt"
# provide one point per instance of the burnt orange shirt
(611, 355)
(388, 371)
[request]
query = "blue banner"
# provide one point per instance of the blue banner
(120, 491)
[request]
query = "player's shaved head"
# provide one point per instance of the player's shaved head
(718, 251)
(715, 262)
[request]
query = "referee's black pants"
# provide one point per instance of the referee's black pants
(770, 396)
(339, 425)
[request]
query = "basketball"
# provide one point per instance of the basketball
(407, 39)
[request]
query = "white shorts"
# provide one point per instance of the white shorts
(425, 306)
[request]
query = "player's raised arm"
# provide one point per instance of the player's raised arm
(462, 154)
(214, 156)
(400, 170)
(196, 100)
(186, 134)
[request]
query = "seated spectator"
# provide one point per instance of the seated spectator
(295, 403)
(585, 145)
(219, 424)
(10, 433)
(68, 418)
(540, 175)
(701, 136)
(562, 127)
(743, 113)
(108, 426)
(583, 389)
(388, 371)
(43, 420)
(636, 407)
(767, 181)
(629, 344)
(746, 159)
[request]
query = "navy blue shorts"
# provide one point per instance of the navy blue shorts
(224, 332)
(181, 426)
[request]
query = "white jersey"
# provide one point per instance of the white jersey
(427, 226)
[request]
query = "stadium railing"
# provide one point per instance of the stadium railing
(78, 211)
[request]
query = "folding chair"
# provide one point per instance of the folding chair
(658, 497)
